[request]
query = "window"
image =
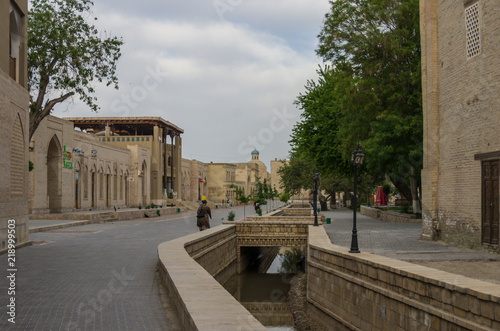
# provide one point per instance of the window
(472, 29)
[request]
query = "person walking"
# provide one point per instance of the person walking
(203, 214)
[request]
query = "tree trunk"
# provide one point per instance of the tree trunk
(402, 188)
(323, 202)
(414, 191)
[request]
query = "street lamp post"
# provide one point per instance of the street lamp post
(315, 197)
(357, 160)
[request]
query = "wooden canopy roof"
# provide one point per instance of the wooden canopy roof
(130, 125)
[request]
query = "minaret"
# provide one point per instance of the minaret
(255, 155)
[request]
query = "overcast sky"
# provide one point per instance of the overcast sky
(225, 71)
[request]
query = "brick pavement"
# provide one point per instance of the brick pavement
(395, 240)
(96, 276)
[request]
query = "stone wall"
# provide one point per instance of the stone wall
(389, 216)
(14, 132)
(460, 113)
(297, 212)
(188, 266)
(369, 292)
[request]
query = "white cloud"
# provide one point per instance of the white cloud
(222, 81)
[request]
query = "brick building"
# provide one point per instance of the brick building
(14, 120)
(108, 162)
(461, 104)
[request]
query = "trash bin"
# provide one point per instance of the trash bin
(158, 212)
(178, 210)
(328, 221)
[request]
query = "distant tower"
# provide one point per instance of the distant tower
(255, 155)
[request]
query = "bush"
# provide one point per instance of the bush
(140, 207)
(405, 208)
(284, 197)
(231, 216)
(386, 188)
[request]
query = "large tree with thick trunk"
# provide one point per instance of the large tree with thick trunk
(65, 55)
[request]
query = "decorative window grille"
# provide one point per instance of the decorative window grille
(473, 32)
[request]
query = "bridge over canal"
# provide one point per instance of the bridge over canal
(346, 291)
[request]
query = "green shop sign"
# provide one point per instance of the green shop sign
(66, 159)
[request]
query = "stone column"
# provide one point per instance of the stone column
(155, 166)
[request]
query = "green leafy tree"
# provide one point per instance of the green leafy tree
(284, 197)
(65, 55)
(380, 42)
(241, 198)
(296, 175)
(261, 193)
(370, 94)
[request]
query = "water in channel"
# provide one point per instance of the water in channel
(263, 288)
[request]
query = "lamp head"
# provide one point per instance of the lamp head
(357, 156)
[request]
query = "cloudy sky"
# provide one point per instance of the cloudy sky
(225, 71)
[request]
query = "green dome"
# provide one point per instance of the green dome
(255, 152)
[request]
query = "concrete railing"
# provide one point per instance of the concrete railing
(189, 267)
(367, 292)
(389, 216)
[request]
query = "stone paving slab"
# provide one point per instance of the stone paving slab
(396, 240)
(99, 276)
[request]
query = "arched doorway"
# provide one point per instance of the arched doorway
(54, 165)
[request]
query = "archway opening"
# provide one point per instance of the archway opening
(54, 165)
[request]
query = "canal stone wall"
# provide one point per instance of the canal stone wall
(189, 267)
(370, 292)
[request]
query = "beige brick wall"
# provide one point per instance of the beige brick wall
(220, 177)
(14, 159)
(461, 117)
(119, 166)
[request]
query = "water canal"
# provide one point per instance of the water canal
(263, 290)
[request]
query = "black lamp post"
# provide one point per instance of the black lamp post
(315, 197)
(357, 160)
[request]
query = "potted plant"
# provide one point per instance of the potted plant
(259, 211)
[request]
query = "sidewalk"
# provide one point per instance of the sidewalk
(399, 241)
(48, 222)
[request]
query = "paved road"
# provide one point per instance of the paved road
(94, 277)
(394, 240)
